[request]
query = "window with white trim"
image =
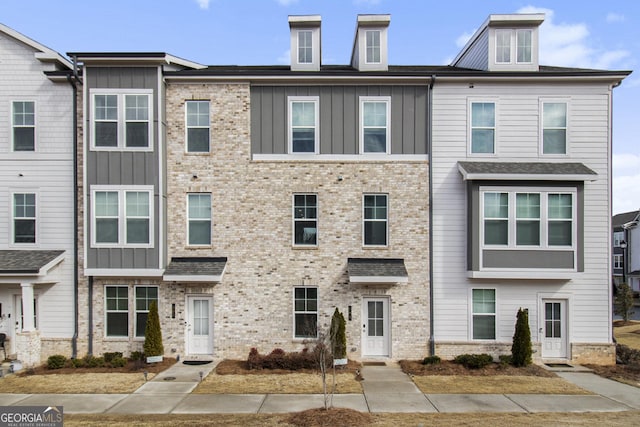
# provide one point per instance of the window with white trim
(618, 236)
(305, 312)
(122, 217)
(514, 45)
(375, 115)
(373, 46)
(24, 125)
(199, 218)
(554, 128)
(483, 127)
(303, 125)
(375, 220)
(24, 218)
(144, 296)
(117, 311)
(305, 219)
(198, 126)
(305, 47)
(617, 261)
(483, 314)
(528, 218)
(121, 121)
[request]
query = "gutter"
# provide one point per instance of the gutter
(432, 344)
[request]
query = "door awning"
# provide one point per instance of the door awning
(526, 171)
(29, 262)
(377, 270)
(195, 269)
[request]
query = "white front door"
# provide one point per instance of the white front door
(554, 329)
(375, 327)
(199, 325)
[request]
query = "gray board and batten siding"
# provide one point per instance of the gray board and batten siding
(339, 117)
(123, 167)
(510, 258)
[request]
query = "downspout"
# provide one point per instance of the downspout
(90, 317)
(432, 344)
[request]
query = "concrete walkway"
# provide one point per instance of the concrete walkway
(385, 389)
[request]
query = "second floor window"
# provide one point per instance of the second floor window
(512, 44)
(303, 125)
(122, 218)
(197, 126)
(617, 261)
(375, 219)
(24, 218)
(483, 127)
(554, 128)
(618, 236)
(24, 126)
(374, 124)
(121, 121)
(305, 219)
(199, 211)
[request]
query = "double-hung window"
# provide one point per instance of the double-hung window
(483, 127)
(305, 312)
(199, 212)
(24, 218)
(303, 125)
(617, 261)
(483, 314)
(144, 296)
(305, 219)
(618, 236)
(528, 218)
(198, 123)
(373, 48)
(523, 46)
(305, 47)
(121, 121)
(503, 46)
(375, 219)
(122, 217)
(24, 126)
(374, 124)
(512, 44)
(117, 311)
(554, 128)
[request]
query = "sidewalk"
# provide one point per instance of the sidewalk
(385, 389)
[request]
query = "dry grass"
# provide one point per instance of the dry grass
(627, 334)
(275, 383)
(498, 384)
(73, 383)
(613, 419)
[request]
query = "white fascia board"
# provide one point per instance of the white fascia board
(524, 177)
(193, 279)
(320, 79)
(378, 279)
(123, 272)
(320, 158)
(44, 270)
(538, 274)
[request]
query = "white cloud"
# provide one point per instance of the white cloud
(464, 38)
(626, 176)
(286, 2)
(285, 58)
(614, 17)
(203, 4)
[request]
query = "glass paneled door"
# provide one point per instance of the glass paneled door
(199, 332)
(375, 327)
(554, 329)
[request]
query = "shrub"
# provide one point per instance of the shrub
(505, 359)
(338, 335)
(56, 361)
(279, 359)
(152, 333)
(118, 362)
(521, 348)
(474, 361)
(108, 357)
(93, 361)
(627, 355)
(78, 363)
(623, 302)
(136, 356)
(431, 360)
(254, 361)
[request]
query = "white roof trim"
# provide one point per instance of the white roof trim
(45, 54)
(524, 177)
(378, 279)
(124, 272)
(531, 274)
(193, 278)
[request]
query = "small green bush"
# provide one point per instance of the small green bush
(431, 360)
(56, 361)
(78, 363)
(505, 359)
(118, 362)
(474, 361)
(93, 361)
(136, 356)
(152, 333)
(521, 350)
(109, 356)
(627, 355)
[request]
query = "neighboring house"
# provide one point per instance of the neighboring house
(521, 196)
(36, 200)
(620, 243)
(272, 196)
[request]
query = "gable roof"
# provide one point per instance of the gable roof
(622, 218)
(43, 53)
(29, 262)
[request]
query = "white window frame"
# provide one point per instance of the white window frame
(295, 220)
(386, 221)
(295, 312)
(544, 219)
(495, 315)
(135, 307)
(300, 47)
(122, 215)
(121, 120)
(14, 125)
(189, 220)
(187, 126)
(470, 126)
(542, 102)
(618, 261)
(367, 46)
(513, 45)
(316, 104)
(516, 37)
(14, 218)
(377, 99)
(107, 311)
(618, 236)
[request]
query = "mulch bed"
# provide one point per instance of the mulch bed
(628, 374)
(240, 367)
(331, 417)
(446, 367)
(130, 367)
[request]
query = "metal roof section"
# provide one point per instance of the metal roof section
(519, 171)
(43, 54)
(195, 269)
(29, 262)
(377, 270)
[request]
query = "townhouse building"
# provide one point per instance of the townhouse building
(624, 266)
(37, 255)
(521, 172)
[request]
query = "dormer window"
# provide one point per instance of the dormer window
(373, 47)
(370, 44)
(523, 46)
(305, 42)
(305, 47)
(513, 44)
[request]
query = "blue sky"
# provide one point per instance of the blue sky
(576, 33)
